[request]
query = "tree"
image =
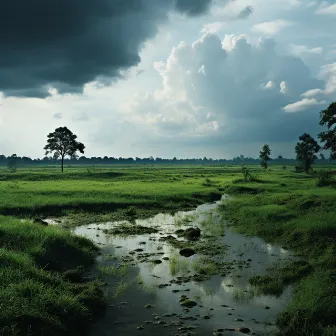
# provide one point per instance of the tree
(62, 142)
(306, 151)
(264, 156)
(328, 118)
(322, 157)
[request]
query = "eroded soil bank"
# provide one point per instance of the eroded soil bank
(152, 289)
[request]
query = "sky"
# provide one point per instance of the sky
(165, 78)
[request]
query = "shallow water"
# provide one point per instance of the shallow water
(223, 300)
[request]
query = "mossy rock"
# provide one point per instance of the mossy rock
(192, 233)
(187, 252)
(75, 275)
(188, 303)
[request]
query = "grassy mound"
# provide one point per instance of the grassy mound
(35, 297)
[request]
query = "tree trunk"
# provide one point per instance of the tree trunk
(62, 162)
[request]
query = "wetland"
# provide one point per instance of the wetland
(147, 250)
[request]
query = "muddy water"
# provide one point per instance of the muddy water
(224, 301)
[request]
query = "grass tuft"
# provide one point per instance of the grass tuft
(35, 298)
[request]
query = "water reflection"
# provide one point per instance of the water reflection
(224, 300)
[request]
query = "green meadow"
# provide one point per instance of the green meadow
(47, 191)
(293, 210)
(282, 206)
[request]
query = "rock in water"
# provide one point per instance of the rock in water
(188, 303)
(244, 330)
(192, 233)
(187, 252)
(156, 262)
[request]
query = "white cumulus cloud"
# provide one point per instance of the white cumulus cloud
(328, 73)
(227, 89)
(213, 27)
(302, 49)
(271, 27)
(312, 93)
(302, 105)
(327, 10)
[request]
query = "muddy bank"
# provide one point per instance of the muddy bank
(153, 289)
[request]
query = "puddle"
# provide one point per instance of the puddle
(54, 221)
(224, 300)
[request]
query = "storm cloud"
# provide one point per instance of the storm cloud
(232, 90)
(65, 44)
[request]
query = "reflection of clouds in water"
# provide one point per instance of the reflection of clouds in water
(283, 251)
(270, 248)
(201, 213)
(227, 285)
(212, 293)
(210, 287)
(276, 250)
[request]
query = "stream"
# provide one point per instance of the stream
(153, 290)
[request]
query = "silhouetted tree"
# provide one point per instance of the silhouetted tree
(306, 151)
(328, 118)
(322, 157)
(264, 156)
(62, 142)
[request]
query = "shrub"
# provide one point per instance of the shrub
(323, 178)
(299, 169)
(246, 173)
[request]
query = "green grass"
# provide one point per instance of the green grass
(126, 229)
(35, 299)
(292, 210)
(48, 192)
(113, 270)
(205, 266)
(120, 288)
(280, 276)
(177, 265)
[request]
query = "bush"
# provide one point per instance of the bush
(299, 169)
(246, 173)
(207, 183)
(323, 178)
(131, 211)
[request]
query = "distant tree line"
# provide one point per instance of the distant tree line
(62, 148)
(16, 161)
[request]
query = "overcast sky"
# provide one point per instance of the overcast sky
(185, 78)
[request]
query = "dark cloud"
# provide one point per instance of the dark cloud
(69, 43)
(245, 12)
(192, 7)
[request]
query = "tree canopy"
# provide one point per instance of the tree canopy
(328, 118)
(62, 142)
(264, 156)
(306, 151)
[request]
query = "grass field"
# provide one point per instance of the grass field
(290, 209)
(279, 205)
(49, 192)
